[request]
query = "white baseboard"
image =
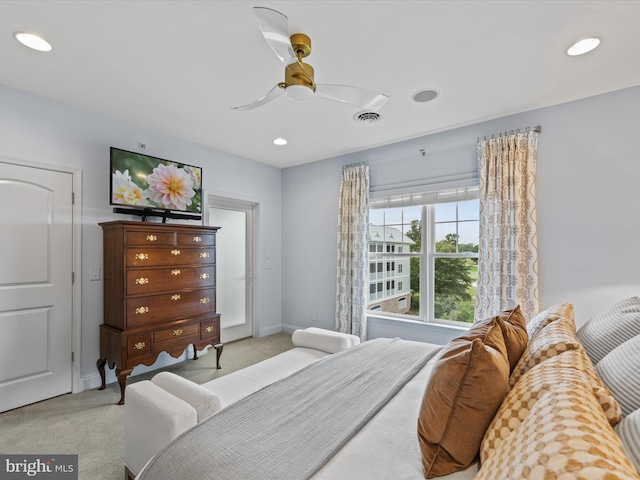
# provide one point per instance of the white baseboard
(270, 330)
(290, 328)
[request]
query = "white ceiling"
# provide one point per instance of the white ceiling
(177, 67)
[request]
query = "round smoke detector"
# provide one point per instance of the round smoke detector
(367, 117)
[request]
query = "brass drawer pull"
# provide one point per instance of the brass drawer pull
(152, 238)
(175, 272)
(142, 281)
(175, 297)
(142, 256)
(209, 329)
(204, 275)
(197, 239)
(175, 252)
(139, 346)
(177, 332)
(204, 255)
(204, 300)
(142, 310)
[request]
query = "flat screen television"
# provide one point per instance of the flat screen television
(147, 184)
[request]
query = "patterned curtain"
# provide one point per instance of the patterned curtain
(353, 223)
(508, 255)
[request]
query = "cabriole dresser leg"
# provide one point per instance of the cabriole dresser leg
(101, 363)
(122, 381)
(218, 348)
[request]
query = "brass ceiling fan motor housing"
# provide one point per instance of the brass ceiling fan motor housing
(300, 73)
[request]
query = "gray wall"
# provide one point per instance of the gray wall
(588, 172)
(36, 130)
(587, 189)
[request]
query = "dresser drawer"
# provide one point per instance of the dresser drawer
(149, 237)
(205, 239)
(152, 309)
(176, 332)
(151, 257)
(210, 329)
(138, 345)
(149, 281)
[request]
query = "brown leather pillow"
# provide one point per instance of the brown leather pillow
(514, 329)
(467, 385)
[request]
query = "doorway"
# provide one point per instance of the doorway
(235, 289)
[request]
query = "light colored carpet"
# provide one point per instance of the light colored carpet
(90, 423)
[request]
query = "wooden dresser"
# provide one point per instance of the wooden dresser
(159, 294)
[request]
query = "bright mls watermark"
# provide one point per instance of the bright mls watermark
(50, 467)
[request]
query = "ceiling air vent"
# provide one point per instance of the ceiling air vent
(367, 117)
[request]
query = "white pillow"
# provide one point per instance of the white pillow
(324, 340)
(204, 401)
(610, 328)
(629, 432)
(620, 372)
(353, 339)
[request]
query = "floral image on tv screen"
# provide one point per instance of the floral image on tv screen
(142, 181)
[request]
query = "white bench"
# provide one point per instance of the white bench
(160, 409)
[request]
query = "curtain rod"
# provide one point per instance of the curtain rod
(537, 129)
(358, 164)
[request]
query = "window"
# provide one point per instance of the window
(429, 244)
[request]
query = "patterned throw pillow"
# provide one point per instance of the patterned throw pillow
(466, 387)
(572, 369)
(551, 314)
(620, 370)
(565, 435)
(555, 338)
(514, 330)
(610, 328)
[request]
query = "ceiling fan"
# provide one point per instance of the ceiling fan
(299, 83)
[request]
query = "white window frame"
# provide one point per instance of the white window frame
(427, 254)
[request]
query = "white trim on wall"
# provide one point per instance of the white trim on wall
(241, 201)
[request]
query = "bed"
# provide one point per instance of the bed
(498, 402)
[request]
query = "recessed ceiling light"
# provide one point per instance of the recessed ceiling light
(279, 141)
(426, 95)
(33, 41)
(583, 46)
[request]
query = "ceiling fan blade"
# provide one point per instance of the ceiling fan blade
(358, 97)
(275, 29)
(272, 94)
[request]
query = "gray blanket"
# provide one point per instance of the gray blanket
(291, 428)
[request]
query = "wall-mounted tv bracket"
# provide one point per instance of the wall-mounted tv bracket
(150, 212)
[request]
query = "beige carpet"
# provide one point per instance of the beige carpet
(90, 423)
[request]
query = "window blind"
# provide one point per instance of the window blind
(427, 198)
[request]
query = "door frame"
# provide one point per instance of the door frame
(76, 267)
(255, 287)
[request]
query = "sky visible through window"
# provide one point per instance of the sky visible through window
(401, 218)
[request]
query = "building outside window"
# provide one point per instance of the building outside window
(429, 245)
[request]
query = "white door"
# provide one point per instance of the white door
(234, 266)
(35, 284)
